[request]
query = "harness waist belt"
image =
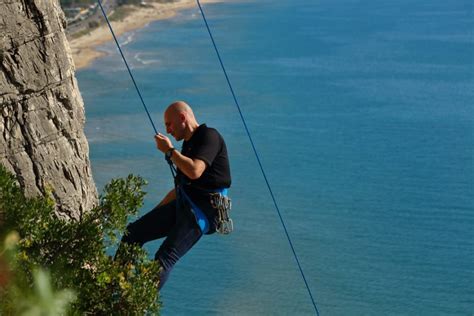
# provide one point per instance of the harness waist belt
(201, 218)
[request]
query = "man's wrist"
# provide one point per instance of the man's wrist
(169, 152)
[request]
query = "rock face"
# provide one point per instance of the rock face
(42, 113)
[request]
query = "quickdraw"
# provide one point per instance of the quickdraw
(222, 204)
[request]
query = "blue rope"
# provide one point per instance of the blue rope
(258, 158)
(126, 64)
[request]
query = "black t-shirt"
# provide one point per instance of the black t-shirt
(207, 145)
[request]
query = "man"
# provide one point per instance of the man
(187, 211)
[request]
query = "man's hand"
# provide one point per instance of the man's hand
(163, 143)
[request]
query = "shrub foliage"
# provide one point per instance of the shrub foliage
(75, 252)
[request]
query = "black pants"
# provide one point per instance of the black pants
(176, 222)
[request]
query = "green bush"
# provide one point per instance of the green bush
(74, 252)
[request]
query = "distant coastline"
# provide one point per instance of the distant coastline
(84, 48)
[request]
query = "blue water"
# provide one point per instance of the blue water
(362, 112)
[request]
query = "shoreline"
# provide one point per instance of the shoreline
(84, 48)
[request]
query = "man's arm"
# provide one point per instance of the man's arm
(192, 168)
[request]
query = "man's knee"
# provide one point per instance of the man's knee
(175, 247)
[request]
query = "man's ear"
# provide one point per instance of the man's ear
(182, 117)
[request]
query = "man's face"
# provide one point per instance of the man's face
(174, 124)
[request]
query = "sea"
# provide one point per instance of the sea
(362, 115)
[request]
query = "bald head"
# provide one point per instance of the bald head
(180, 120)
(179, 107)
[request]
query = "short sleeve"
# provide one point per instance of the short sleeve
(209, 146)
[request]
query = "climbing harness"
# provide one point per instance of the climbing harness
(219, 200)
(246, 129)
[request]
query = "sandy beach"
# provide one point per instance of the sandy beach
(84, 48)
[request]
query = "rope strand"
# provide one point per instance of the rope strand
(126, 64)
(258, 158)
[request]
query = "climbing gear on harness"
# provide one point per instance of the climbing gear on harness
(222, 203)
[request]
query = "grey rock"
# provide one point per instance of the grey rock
(42, 118)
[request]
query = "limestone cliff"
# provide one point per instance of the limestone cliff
(42, 113)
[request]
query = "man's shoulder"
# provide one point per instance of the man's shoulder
(210, 131)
